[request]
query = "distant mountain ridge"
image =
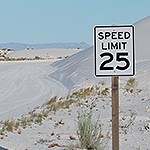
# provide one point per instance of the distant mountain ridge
(20, 46)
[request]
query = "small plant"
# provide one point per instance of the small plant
(16, 125)
(66, 104)
(9, 125)
(105, 92)
(45, 113)
(38, 120)
(51, 104)
(54, 105)
(89, 132)
(130, 122)
(24, 122)
(37, 57)
(131, 86)
(83, 93)
(2, 132)
(132, 119)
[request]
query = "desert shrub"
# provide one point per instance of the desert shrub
(16, 125)
(66, 104)
(45, 113)
(37, 57)
(132, 83)
(24, 122)
(128, 122)
(52, 100)
(59, 57)
(9, 125)
(2, 132)
(54, 105)
(131, 86)
(89, 132)
(39, 119)
(83, 93)
(105, 92)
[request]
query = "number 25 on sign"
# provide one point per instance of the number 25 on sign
(114, 50)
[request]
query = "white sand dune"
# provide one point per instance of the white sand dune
(142, 36)
(43, 53)
(28, 84)
(25, 85)
(77, 70)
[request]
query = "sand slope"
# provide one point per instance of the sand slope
(25, 85)
(34, 82)
(142, 36)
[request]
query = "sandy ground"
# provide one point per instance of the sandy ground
(27, 86)
(34, 83)
(52, 53)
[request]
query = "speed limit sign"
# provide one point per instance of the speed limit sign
(114, 50)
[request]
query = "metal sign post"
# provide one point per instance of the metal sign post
(114, 56)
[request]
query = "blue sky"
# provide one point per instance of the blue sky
(46, 21)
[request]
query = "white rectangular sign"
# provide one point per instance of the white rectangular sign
(114, 50)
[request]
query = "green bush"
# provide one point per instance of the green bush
(131, 86)
(89, 132)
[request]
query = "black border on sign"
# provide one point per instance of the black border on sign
(98, 26)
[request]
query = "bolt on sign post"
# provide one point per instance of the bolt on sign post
(114, 57)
